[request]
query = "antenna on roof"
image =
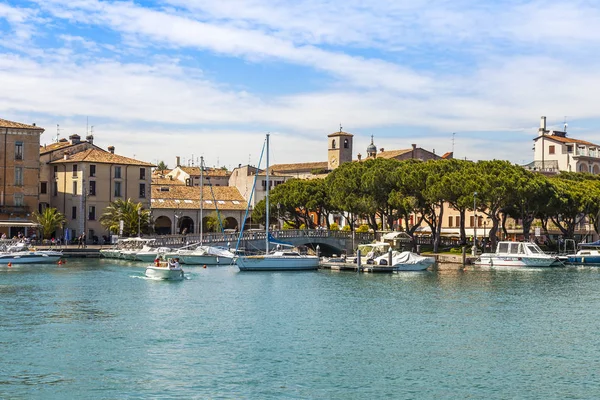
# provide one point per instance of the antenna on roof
(87, 120)
(340, 127)
(57, 132)
(566, 124)
(453, 133)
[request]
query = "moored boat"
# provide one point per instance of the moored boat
(517, 254)
(22, 254)
(588, 254)
(406, 261)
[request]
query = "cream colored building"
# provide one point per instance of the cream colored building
(177, 208)
(243, 178)
(19, 176)
(554, 151)
(191, 175)
(83, 179)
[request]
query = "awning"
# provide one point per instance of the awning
(20, 223)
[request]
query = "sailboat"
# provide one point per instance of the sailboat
(281, 259)
(199, 254)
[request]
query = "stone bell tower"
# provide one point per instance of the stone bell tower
(339, 149)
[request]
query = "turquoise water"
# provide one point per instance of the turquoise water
(99, 330)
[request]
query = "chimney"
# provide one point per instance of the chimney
(111, 149)
(414, 147)
(33, 124)
(178, 160)
(359, 156)
(75, 139)
(239, 165)
(90, 139)
(381, 150)
(66, 155)
(542, 129)
(433, 151)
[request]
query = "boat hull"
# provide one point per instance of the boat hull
(30, 257)
(584, 259)
(164, 273)
(516, 261)
(205, 260)
(422, 266)
(277, 263)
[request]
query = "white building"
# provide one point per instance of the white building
(554, 151)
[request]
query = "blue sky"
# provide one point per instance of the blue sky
(159, 79)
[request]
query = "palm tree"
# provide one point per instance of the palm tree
(132, 214)
(49, 220)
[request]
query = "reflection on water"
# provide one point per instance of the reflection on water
(98, 329)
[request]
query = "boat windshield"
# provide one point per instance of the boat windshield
(534, 249)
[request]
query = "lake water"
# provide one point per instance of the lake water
(96, 329)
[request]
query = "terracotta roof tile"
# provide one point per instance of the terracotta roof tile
(298, 166)
(448, 155)
(101, 157)
(392, 153)
(11, 124)
(195, 171)
(160, 180)
(54, 146)
(188, 197)
(566, 140)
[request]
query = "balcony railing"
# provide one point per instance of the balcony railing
(14, 210)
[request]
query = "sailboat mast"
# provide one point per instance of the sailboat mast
(267, 202)
(201, 196)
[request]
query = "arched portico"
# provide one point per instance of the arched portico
(162, 225)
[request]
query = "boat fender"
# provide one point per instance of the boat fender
(9, 265)
(582, 260)
(59, 262)
(204, 266)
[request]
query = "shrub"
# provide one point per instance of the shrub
(334, 227)
(362, 229)
(346, 228)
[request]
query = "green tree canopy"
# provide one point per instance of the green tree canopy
(49, 220)
(130, 213)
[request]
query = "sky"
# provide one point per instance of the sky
(191, 78)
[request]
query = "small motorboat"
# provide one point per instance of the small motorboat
(406, 261)
(166, 270)
(20, 253)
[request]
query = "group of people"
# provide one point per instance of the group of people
(173, 263)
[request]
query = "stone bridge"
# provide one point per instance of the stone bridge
(329, 242)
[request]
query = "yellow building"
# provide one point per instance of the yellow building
(19, 177)
(83, 179)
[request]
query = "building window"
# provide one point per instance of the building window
(142, 190)
(75, 188)
(43, 187)
(74, 212)
(450, 222)
(333, 144)
(19, 201)
(471, 220)
(117, 172)
(117, 189)
(18, 176)
(92, 170)
(143, 174)
(55, 188)
(92, 213)
(569, 148)
(457, 220)
(18, 150)
(551, 150)
(92, 188)
(75, 170)
(346, 143)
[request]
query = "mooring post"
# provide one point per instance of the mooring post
(464, 256)
(390, 256)
(318, 251)
(358, 262)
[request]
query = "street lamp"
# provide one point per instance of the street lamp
(278, 215)
(474, 249)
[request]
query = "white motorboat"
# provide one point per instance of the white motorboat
(149, 254)
(370, 251)
(406, 261)
(280, 260)
(517, 254)
(206, 255)
(22, 254)
(165, 270)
